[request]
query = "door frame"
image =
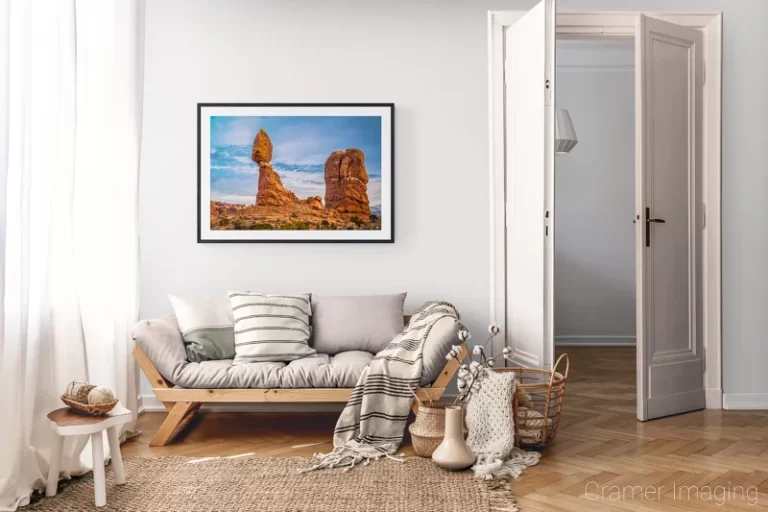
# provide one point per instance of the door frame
(612, 25)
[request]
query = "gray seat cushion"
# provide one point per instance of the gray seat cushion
(317, 371)
(161, 340)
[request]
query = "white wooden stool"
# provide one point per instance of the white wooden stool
(65, 422)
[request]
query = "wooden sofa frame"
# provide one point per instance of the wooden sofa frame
(183, 403)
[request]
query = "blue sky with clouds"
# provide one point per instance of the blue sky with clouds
(301, 145)
(304, 139)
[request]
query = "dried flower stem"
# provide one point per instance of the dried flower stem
(463, 396)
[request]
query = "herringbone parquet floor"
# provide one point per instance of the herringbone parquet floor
(603, 459)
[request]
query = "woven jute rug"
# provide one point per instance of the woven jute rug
(171, 484)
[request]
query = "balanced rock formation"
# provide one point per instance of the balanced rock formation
(346, 183)
(271, 190)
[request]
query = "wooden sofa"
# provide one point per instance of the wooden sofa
(183, 403)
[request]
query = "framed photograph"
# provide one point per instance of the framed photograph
(294, 172)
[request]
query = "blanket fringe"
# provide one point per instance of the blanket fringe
(489, 467)
(347, 457)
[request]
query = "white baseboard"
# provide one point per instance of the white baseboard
(745, 401)
(150, 403)
(597, 340)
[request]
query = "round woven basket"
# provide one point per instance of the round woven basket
(76, 396)
(538, 402)
(428, 430)
(93, 409)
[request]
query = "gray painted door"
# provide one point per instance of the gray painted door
(669, 218)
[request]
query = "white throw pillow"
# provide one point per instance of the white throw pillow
(206, 326)
(270, 327)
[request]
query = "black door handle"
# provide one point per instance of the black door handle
(648, 221)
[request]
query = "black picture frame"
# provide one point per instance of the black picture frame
(390, 238)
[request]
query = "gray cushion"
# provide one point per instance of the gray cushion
(444, 333)
(317, 371)
(161, 340)
(365, 323)
(207, 326)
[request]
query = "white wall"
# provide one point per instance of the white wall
(594, 196)
(432, 66)
(430, 59)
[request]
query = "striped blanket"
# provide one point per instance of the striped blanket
(372, 423)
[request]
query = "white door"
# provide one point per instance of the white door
(669, 67)
(529, 76)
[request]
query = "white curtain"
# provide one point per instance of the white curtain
(70, 121)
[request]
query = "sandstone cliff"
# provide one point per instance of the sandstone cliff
(271, 190)
(277, 208)
(346, 182)
(314, 202)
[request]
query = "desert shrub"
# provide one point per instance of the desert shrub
(263, 226)
(374, 218)
(238, 224)
(357, 221)
(224, 221)
(325, 223)
(295, 226)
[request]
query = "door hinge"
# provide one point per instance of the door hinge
(547, 91)
(546, 223)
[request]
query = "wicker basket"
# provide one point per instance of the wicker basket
(92, 409)
(428, 430)
(538, 402)
(76, 396)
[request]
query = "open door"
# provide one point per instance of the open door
(529, 77)
(669, 87)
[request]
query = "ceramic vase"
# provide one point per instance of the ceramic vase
(454, 453)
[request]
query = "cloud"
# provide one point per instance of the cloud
(304, 145)
(235, 130)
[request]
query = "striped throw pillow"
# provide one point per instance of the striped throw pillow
(270, 327)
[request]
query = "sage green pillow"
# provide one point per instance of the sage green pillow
(207, 327)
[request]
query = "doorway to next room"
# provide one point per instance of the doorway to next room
(594, 259)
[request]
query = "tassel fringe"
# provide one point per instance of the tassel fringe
(489, 468)
(347, 457)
